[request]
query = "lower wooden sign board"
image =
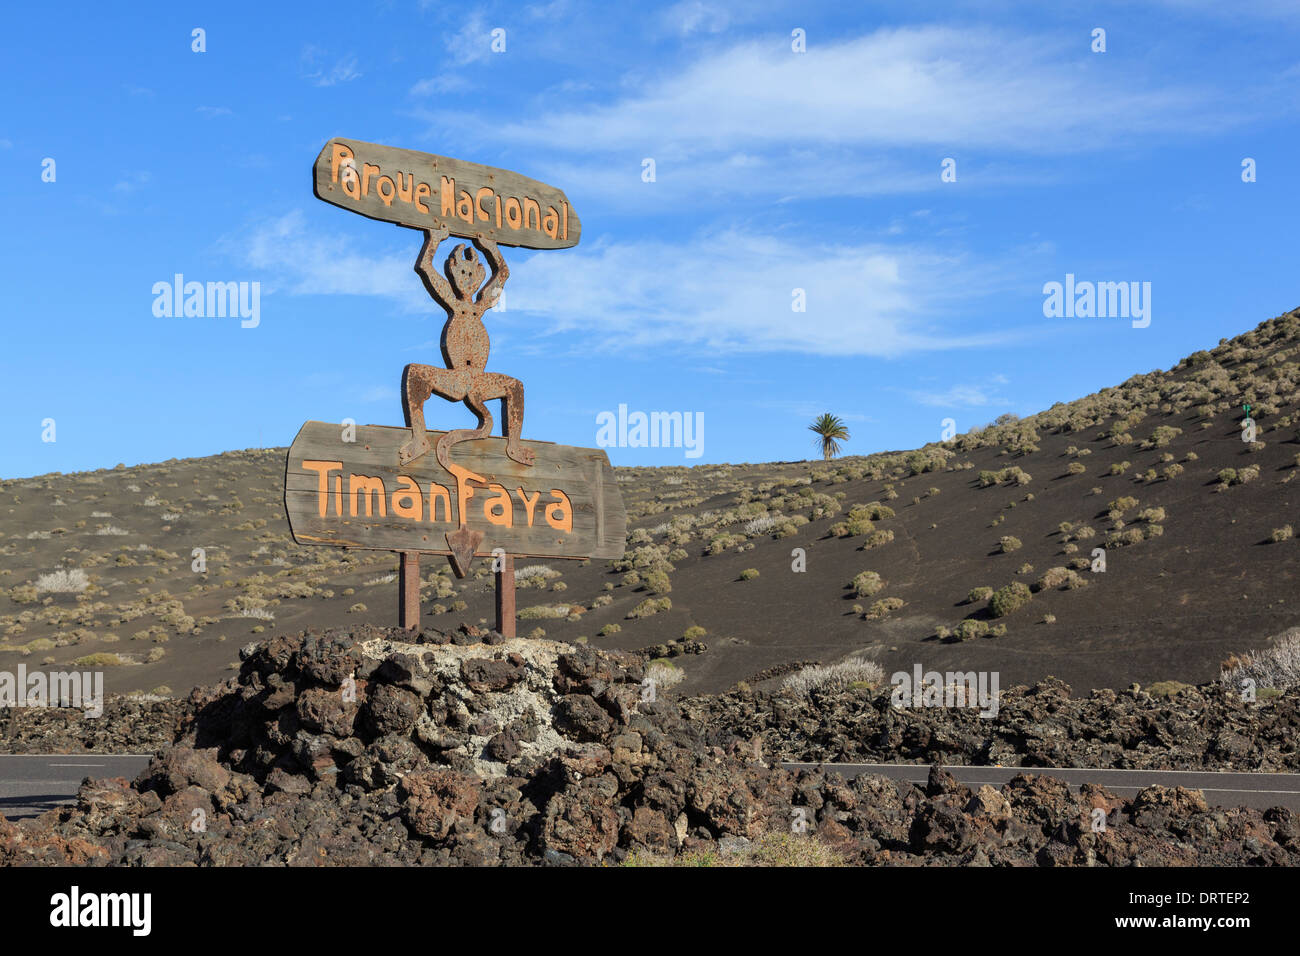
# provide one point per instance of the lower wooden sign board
(355, 494)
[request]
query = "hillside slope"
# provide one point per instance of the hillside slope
(1154, 470)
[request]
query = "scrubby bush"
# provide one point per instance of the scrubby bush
(1282, 533)
(835, 677)
(65, 582)
(1010, 598)
(657, 582)
(884, 606)
(24, 594)
(1052, 578)
(1007, 544)
(1164, 434)
(877, 538)
(663, 673)
(648, 607)
(979, 594)
(1277, 666)
(1120, 539)
(867, 583)
(544, 612)
(749, 574)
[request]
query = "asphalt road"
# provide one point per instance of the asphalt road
(30, 785)
(1221, 789)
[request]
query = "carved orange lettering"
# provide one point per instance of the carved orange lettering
(422, 191)
(478, 202)
(464, 490)
(337, 155)
(366, 172)
(372, 489)
(408, 491)
(438, 493)
(529, 503)
(448, 196)
(551, 222)
(465, 207)
(404, 192)
(499, 510)
(531, 206)
(322, 468)
(514, 216)
(564, 521)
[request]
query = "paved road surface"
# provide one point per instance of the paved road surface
(1221, 789)
(31, 785)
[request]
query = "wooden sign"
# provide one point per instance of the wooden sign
(397, 489)
(425, 191)
(355, 494)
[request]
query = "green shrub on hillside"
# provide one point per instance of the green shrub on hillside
(1010, 598)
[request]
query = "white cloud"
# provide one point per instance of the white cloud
(727, 292)
(694, 16)
(917, 86)
(211, 111)
(312, 66)
(755, 117)
(965, 396)
(442, 83)
(308, 263)
(132, 181)
(472, 42)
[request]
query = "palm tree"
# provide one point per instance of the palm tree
(830, 432)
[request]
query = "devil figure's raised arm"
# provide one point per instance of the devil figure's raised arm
(500, 272)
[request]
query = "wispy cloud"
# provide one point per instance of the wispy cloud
(307, 263)
(755, 117)
(132, 181)
(961, 396)
(695, 16)
(442, 83)
(471, 43)
(211, 111)
(728, 292)
(315, 65)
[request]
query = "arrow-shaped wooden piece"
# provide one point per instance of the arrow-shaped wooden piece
(463, 543)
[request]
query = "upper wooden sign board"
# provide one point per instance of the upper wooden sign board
(354, 494)
(424, 191)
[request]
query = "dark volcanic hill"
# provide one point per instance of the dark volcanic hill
(1195, 522)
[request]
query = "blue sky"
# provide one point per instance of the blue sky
(775, 170)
